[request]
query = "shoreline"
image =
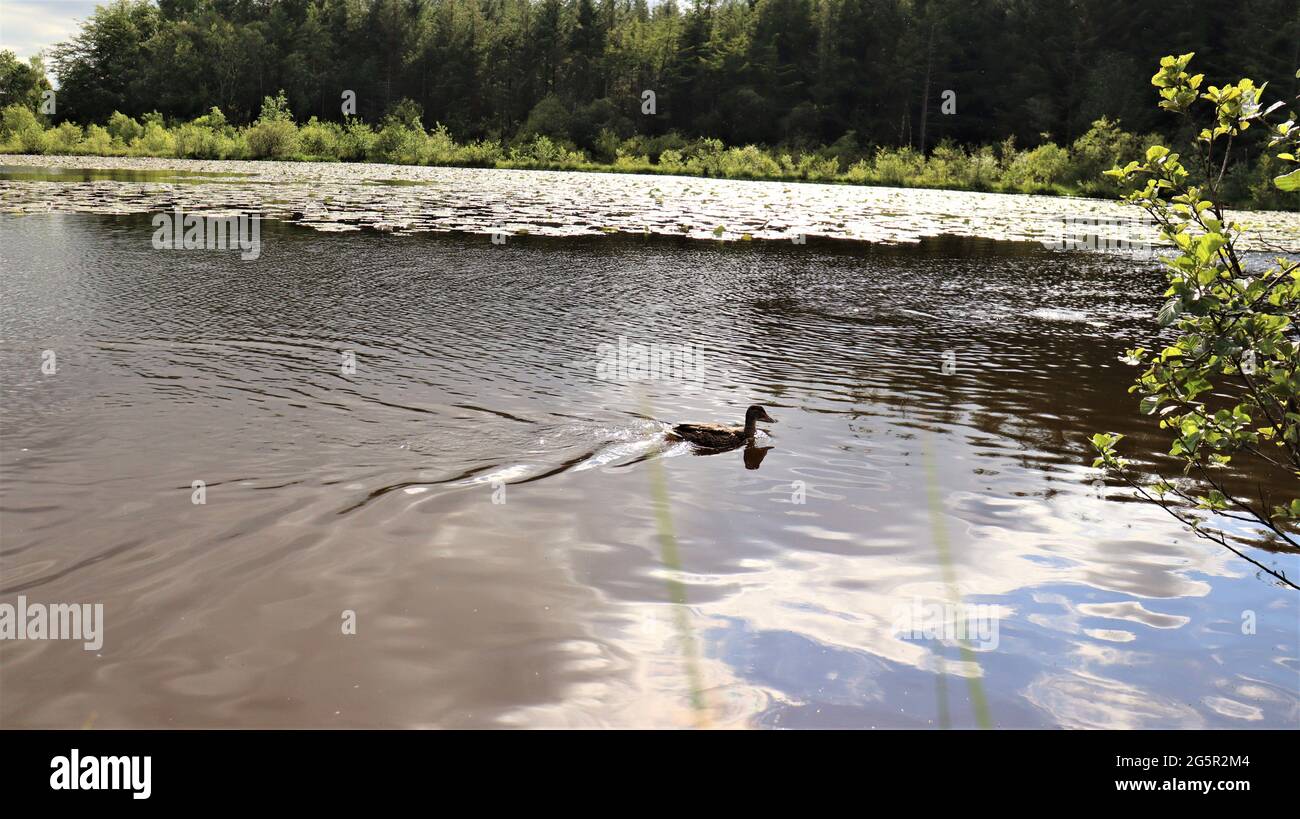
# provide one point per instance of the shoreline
(646, 169)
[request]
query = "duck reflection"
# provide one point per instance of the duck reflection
(753, 455)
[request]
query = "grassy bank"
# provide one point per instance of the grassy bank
(1048, 168)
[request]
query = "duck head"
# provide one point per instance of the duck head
(755, 414)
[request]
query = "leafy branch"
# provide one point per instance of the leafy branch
(1228, 386)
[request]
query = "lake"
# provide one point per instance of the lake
(455, 448)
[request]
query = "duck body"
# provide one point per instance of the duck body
(722, 436)
(711, 436)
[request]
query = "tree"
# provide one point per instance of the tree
(794, 72)
(22, 83)
(102, 68)
(1228, 386)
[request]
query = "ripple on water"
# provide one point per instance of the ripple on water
(517, 540)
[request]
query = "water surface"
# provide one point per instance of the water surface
(344, 197)
(520, 545)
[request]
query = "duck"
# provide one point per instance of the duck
(722, 436)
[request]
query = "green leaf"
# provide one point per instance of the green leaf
(1288, 181)
(1170, 312)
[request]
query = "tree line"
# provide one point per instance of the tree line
(768, 72)
(1033, 96)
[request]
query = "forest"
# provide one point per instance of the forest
(835, 82)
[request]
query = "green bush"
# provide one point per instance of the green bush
(1104, 146)
(846, 150)
(1043, 167)
(398, 143)
(982, 171)
(272, 139)
(356, 141)
(945, 168)
(549, 118)
(320, 140)
(541, 143)
(123, 129)
(605, 148)
(196, 142)
(485, 153)
(809, 166)
(440, 148)
(64, 139)
(406, 112)
(749, 162)
(98, 142)
(275, 109)
(896, 166)
(214, 120)
(155, 141)
(543, 152)
(705, 157)
(21, 130)
(16, 118)
(860, 172)
(273, 136)
(592, 121)
(671, 160)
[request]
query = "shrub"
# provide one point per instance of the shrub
(1043, 167)
(98, 142)
(356, 140)
(406, 112)
(846, 150)
(549, 118)
(63, 139)
(320, 140)
(749, 162)
(544, 152)
(652, 146)
(860, 172)
(671, 160)
(155, 141)
(706, 157)
(484, 153)
(896, 166)
(197, 142)
(982, 170)
(1104, 146)
(124, 129)
(214, 120)
(275, 109)
(605, 148)
(273, 136)
(440, 148)
(399, 143)
(21, 130)
(945, 168)
(273, 139)
(590, 122)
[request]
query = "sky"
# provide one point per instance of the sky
(27, 28)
